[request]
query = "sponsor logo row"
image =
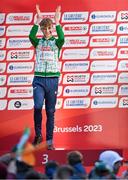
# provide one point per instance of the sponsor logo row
(69, 54)
(68, 103)
(102, 65)
(74, 29)
(18, 67)
(94, 16)
(68, 91)
(69, 78)
(69, 29)
(70, 42)
(95, 53)
(68, 66)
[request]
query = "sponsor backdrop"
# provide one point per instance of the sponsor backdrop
(93, 88)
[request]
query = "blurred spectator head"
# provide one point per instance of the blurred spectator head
(74, 157)
(33, 174)
(112, 159)
(102, 168)
(101, 171)
(50, 168)
(64, 172)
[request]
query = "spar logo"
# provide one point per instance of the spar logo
(19, 18)
(122, 28)
(123, 90)
(123, 78)
(74, 17)
(75, 103)
(123, 65)
(104, 102)
(102, 16)
(18, 30)
(2, 54)
(76, 90)
(74, 29)
(103, 78)
(122, 16)
(104, 90)
(20, 92)
(76, 78)
(103, 65)
(123, 103)
(108, 28)
(18, 43)
(2, 18)
(50, 15)
(103, 53)
(20, 104)
(123, 41)
(123, 53)
(103, 41)
(73, 66)
(75, 53)
(77, 41)
(20, 55)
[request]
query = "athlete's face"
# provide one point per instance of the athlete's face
(47, 31)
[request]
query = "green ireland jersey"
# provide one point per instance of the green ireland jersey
(47, 52)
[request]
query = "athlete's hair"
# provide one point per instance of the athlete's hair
(46, 22)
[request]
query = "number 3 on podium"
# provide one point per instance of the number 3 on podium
(45, 158)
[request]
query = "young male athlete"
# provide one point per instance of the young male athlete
(47, 72)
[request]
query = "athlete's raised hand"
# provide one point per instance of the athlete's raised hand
(38, 14)
(57, 14)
